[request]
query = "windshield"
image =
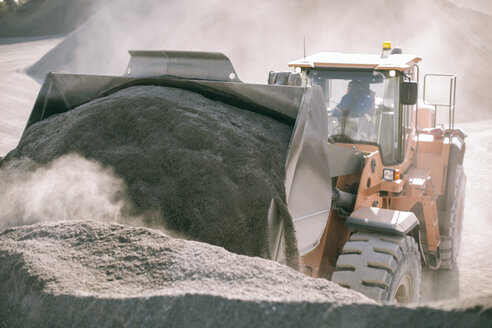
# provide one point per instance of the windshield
(362, 107)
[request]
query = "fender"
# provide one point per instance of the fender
(394, 222)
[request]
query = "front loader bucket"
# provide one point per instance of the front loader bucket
(311, 161)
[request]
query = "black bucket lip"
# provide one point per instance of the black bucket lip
(62, 92)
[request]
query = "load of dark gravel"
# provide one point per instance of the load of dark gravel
(198, 167)
(94, 274)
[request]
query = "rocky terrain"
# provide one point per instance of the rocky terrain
(47, 17)
(87, 273)
(198, 167)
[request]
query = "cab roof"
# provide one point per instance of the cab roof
(399, 62)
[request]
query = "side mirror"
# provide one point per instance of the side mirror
(408, 93)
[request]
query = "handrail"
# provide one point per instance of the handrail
(452, 98)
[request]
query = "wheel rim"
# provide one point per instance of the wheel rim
(404, 291)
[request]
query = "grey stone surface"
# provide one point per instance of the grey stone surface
(88, 273)
(197, 167)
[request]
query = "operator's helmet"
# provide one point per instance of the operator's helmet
(356, 86)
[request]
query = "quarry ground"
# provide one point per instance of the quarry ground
(18, 91)
(472, 278)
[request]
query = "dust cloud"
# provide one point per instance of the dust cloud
(266, 35)
(68, 188)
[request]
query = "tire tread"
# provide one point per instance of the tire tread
(369, 263)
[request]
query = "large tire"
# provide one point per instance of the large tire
(451, 233)
(447, 201)
(383, 267)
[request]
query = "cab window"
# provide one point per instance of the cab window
(363, 107)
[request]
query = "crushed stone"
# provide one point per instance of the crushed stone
(198, 167)
(90, 273)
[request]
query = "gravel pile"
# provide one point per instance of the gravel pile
(52, 17)
(197, 167)
(87, 274)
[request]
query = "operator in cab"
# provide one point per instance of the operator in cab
(357, 102)
(355, 112)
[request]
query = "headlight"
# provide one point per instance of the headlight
(391, 174)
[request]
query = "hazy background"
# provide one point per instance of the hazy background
(44, 17)
(480, 5)
(260, 36)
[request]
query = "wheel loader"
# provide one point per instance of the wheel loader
(374, 186)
